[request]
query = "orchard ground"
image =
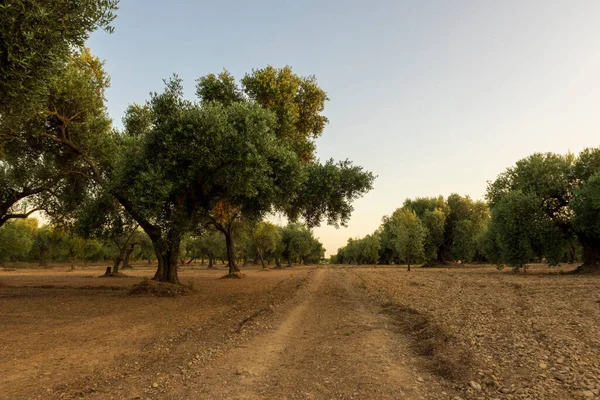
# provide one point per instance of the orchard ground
(306, 332)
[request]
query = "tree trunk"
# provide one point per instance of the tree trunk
(167, 255)
(72, 259)
(591, 256)
(210, 263)
(408, 260)
(116, 263)
(260, 256)
(230, 251)
(43, 253)
(277, 262)
(127, 255)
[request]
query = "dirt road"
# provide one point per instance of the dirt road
(306, 332)
(326, 343)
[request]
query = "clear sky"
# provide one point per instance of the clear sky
(434, 97)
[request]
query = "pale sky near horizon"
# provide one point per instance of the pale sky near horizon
(434, 97)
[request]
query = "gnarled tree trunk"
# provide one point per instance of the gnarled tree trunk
(167, 252)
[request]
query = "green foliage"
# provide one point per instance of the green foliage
(586, 207)
(515, 229)
(41, 165)
(296, 101)
(327, 192)
(551, 193)
(433, 212)
(36, 38)
(360, 251)
(265, 238)
(434, 222)
(220, 88)
(233, 165)
(16, 239)
(212, 244)
(407, 235)
(299, 245)
(465, 224)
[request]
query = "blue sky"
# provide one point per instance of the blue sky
(434, 97)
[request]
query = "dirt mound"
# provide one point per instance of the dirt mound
(431, 342)
(160, 289)
(235, 275)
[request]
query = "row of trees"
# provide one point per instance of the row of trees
(547, 206)
(263, 243)
(428, 230)
(23, 240)
(240, 151)
(544, 208)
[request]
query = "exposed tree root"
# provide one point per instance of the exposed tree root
(233, 275)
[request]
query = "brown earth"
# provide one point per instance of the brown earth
(467, 332)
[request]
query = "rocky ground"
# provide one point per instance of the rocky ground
(466, 332)
(506, 335)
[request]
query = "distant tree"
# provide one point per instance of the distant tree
(515, 228)
(408, 235)
(265, 238)
(42, 244)
(16, 239)
(586, 220)
(212, 245)
(360, 251)
(298, 244)
(543, 185)
(465, 224)
(102, 217)
(433, 212)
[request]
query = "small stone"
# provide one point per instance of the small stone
(155, 385)
(543, 365)
(419, 379)
(560, 377)
(560, 360)
(475, 385)
(588, 394)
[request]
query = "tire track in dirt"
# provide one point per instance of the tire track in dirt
(327, 342)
